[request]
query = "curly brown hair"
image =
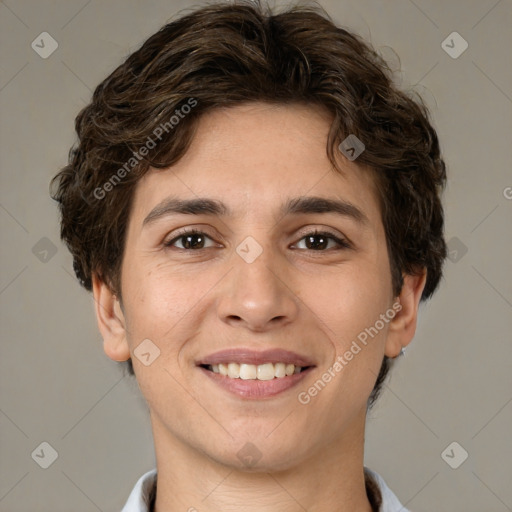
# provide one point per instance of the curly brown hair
(231, 53)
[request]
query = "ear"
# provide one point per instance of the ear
(111, 321)
(403, 326)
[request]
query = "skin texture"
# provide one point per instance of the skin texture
(191, 303)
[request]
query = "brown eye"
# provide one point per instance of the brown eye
(321, 241)
(316, 242)
(190, 240)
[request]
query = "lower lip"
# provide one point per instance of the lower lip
(256, 389)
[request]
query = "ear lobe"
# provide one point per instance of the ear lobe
(403, 326)
(111, 321)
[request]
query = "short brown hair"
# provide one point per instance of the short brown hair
(227, 54)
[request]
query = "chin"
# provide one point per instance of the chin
(260, 455)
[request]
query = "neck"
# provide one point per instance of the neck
(331, 480)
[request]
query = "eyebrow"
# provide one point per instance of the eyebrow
(314, 204)
(200, 206)
(294, 206)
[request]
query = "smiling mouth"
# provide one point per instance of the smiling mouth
(266, 371)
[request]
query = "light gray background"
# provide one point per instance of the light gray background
(454, 383)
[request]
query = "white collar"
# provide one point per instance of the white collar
(140, 495)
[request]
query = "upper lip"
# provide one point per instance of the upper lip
(248, 356)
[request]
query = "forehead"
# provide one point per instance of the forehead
(259, 154)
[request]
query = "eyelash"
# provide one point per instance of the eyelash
(343, 244)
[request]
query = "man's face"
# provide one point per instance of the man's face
(256, 278)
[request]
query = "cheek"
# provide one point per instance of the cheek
(348, 302)
(161, 307)
(159, 300)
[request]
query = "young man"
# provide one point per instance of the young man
(256, 210)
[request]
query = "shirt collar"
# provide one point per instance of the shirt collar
(145, 489)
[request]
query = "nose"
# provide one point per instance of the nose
(258, 295)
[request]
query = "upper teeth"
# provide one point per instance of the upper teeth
(265, 371)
